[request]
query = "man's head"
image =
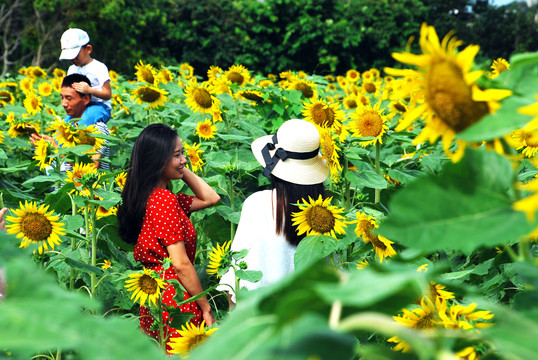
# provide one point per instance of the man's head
(73, 102)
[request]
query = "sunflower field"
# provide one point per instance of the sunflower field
(425, 247)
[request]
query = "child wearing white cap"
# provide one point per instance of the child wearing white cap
(76, 47)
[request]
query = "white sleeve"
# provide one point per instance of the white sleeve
(247, 229)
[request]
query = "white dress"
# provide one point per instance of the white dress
(268, 252)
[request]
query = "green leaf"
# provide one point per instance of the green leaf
(467, 206)
(74, 222)
(84, 267)
(179, 318)
(249, 275)
(313, 248)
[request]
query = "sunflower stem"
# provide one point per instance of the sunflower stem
(93, 276)
(347, 189)
(231, 196)
(377, 192)
(161, 325)
(73, 245)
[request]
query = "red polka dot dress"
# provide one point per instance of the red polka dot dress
(166, 222)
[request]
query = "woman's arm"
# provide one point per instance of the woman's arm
(204, 195)
(189, 278)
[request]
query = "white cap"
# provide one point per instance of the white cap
(72, 40)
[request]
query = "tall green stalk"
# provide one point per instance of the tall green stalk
(229, 176)
(73, 246)
(377, 192)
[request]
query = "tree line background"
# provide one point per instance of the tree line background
(316, 36)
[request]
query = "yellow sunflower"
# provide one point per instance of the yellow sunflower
(214, 72)
(59, 73)
(186, 70)
(190, 337)
(499, 65)
(253, 95)
(164, 76)
(323, 115)
(120, 179)
(353, 75)
(422, 318)
(6, 97)
(350, 102)
(218, 257)
(22, 128)
(465, 317)
(45, 89)
(145, 73)
(35, 72)
(44, 152)
(151, 95)
(526, 140)
(2, 137)
(448, 88)
(221, 86)
(329, 151)
(64, 133)
(145, 285)
(206, 130)
(237, 74)
(365, 225)
(265, 83)
(35, 225)
(193, 154)
(32, 103)
(468, 353)
(82, 175)
(319, 217)
(306, 87)
(368, 121)
(102, 211)
(106, 264)
(87, 137)
(200, 98)
(382, 246)
(361, 264)
(26, 85)
(114, 77)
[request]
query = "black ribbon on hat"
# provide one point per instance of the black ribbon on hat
(281, 154)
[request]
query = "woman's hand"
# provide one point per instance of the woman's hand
(208, 318)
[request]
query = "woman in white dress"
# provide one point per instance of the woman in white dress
(292, 162)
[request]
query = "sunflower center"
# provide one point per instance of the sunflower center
(252, 96)
(371, 124)
(205, 129)
(374, 239)
(532, 140)
(236, 77)
(36, 227)
(366, 226)
(426, 322)
(147, 75)
(149, 95)
(202, 98)
(196, 340)
(87, 140)
(5, 96)
(352, 104)
(398, 106)
(323, 115)
(370, 88)
(305, 89)
(321, 219)
(147, 284)
(451, 98)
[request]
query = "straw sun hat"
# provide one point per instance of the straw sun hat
(292, 154)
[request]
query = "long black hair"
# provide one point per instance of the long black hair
(287, 195)
(152, 151)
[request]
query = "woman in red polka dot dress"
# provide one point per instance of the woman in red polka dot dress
(157, 221)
